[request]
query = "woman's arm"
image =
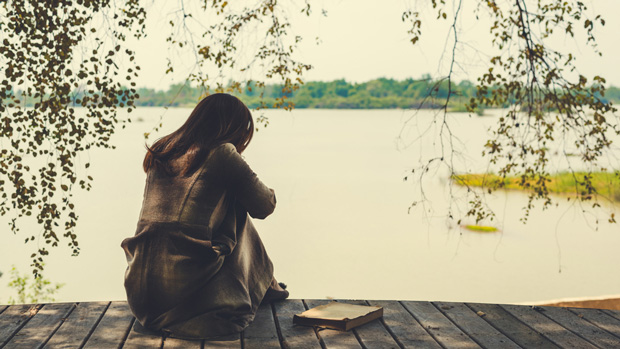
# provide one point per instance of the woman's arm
(258, 199)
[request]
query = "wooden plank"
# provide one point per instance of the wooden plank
(404, 326)
(294, 336)
(613, 313)
(13, 318)
(442, 329)
(582, 327)
(41, 327)
(511, 327)
(472, 324)
(373, 334)
(547, 327)
(262, 331)
(113, 327)
(78, 326)
(141, 338)
(176, 343)
(334, 338)
(232, 341)
(600, 319)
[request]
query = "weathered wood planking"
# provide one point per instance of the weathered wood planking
(41, 326)
(547, 327)
(14, 318)
(113, 327)
(582, 327)
(511, 327)
(600, 319)
(405, 324)
(74, 331)
(262, 332)
(472, 324)
(439, 326)
(613, 313)
(294, 336)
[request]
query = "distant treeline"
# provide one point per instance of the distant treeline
(375, 94)
(339, 94)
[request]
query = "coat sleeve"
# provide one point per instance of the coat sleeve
(258, 199)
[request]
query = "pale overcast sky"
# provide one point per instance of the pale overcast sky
(366, 39)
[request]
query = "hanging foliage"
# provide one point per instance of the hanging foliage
(60, 55)
(547, 103)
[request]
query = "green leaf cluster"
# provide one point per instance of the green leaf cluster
(31, 289)
(546, 99)
(58, 56)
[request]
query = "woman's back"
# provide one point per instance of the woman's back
(174, 274)
(192, 199)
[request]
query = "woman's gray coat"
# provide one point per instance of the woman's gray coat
(174, 280)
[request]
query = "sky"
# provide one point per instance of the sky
(360, 40)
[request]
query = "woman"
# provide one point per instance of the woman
(197, 267)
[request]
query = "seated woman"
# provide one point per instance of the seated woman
(197, 267)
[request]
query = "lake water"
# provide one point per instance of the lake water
(342, 227)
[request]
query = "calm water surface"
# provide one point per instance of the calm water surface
(342, 227)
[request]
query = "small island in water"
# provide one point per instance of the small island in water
(604, 184)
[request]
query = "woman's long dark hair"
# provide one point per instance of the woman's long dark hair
(217, 119)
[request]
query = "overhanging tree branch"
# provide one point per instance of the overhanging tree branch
(545, 101)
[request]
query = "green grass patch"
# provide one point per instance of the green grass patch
(481, 228)
(605, 184)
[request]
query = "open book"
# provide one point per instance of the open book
(338, 316)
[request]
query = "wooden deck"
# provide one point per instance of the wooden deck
(405, 324)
